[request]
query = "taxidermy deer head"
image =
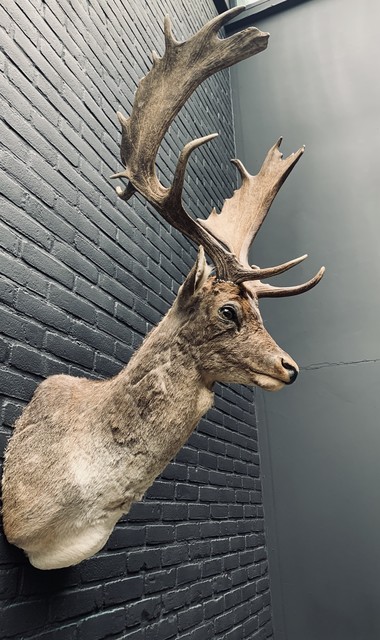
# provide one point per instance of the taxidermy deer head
(83, 451)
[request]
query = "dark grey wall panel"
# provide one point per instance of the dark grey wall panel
(318, 84)
(324, 465)
(83, 276)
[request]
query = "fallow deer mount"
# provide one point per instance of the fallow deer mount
(83, 451)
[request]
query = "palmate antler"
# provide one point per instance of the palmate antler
(226, 237)
(242, 216)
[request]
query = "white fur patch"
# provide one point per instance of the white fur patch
(75, 547)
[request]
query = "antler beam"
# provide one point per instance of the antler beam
(171, 81)
(226, 237)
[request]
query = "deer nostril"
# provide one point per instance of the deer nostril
(293, 373)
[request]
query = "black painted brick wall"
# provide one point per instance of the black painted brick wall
(83, 278)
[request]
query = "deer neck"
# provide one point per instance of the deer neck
(154, 404)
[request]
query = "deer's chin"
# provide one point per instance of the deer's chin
(268, 383)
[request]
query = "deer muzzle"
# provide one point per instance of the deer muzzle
(278, 369)
(285, 370)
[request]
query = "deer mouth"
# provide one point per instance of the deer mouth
(269, 383)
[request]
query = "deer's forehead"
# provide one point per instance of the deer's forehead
(220, 289)
(222, 292)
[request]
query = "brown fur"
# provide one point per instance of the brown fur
(83, 451)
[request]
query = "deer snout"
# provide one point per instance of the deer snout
(291, 369)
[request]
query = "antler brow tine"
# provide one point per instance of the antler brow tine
(267, 291)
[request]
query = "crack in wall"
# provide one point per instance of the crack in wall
(322, 365)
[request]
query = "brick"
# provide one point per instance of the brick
(259, 554)
(113, 327)
(174, 599)
(103, 566)
(69, 350)
(160, 581)
(92, 337)
(250, 626)
(23, 617)
(123, 590)
(131, 319)
(157, 534)
(105, 366)
(115, 289)
(190, 618)
(219, 547)
(161, 490)
(71, 604)
(27, 359)
(72, 303)
(187, 531)
(223, 583)
(207, 460)
(174, 555)
(147, 610)
(102, 624)
(41, 310)
(210, 529)
(123, 352)
(175, 471)
(47, 264)
(8, 292)
(200, 476)
(223, 622)
(4, 349)
(234, 634)
(246, 557)
(214, 607)
(92, 293)
(188, 573)
(199, 511)
(66, 632)
(264, 616)
(239, 576)
(228, 528)
(26, 177)
(262, 585)
(199, 549)
(8, 582)
(143, 559)
(162, 630)
(72, 258)
(174, 512)
(11, 411)
(126, 536)
(211, 568)
(56, 179)
(219, 511)
(20, 328)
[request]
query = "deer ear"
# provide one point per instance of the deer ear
(195, 279)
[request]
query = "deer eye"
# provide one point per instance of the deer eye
(228, 312)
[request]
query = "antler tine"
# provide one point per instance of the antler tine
(255, 273)
(179, 175)
(267, 291)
